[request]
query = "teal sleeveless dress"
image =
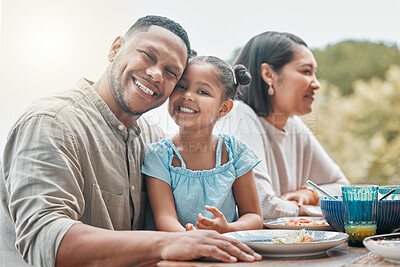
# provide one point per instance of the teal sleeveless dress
(193, 189)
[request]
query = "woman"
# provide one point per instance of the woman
(265, 117)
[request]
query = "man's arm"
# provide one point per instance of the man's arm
(44, 187)
(86, 245)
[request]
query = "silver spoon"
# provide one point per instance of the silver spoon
(388, 194)
(320, 190)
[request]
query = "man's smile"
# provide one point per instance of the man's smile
(144, 88)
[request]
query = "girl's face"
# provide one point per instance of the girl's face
(197, 100)
(295, 84)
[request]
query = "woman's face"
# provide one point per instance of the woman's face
(295, 84)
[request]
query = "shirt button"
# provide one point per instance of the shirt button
(121, 127)
(133, 188)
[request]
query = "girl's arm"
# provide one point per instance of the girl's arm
(246, 197)
(163, 205)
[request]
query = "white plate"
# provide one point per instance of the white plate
(388, 246)
(280, 223)
(261, 242)
(314, 211)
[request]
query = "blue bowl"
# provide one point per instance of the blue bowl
(387, 221)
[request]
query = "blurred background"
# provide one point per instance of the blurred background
(48, 45)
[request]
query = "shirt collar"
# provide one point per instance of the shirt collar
(106, 112)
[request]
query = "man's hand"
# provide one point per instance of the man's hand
(85, 245)
(218, 224)
(203, 243)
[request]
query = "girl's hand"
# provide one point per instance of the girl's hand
(302, 197)
(189, 227)
(219, 222)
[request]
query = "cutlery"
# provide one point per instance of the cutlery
(320, 190)
(388, 194)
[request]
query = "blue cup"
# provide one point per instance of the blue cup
(359, 205)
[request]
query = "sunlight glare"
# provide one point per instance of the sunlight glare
(46, 43)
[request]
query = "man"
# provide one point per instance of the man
(71, 166)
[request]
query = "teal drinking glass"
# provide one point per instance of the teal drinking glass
(359, 205)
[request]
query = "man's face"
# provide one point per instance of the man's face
(145, 69)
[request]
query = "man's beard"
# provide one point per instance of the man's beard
(118, 91)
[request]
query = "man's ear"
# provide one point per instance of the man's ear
(225, 108)
(267, 73)
(116, 46)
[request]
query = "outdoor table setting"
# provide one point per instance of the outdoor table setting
(355, 229)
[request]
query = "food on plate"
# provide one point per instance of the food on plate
(293, 237)
(305, 222)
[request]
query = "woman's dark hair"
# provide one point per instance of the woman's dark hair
(275, 48)
(228, 77)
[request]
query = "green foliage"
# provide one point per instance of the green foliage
(343, 63)
(235, 53)
(361, 131)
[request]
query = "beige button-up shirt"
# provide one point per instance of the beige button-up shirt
(68, 159)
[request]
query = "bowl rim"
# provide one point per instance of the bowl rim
(341, 200)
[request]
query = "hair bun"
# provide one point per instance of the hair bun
(193, 53)
(243, 77)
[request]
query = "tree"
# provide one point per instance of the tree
(235, 53)
(344, 63)
(361, 131)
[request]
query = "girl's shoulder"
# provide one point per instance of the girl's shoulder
(234, 143)
(241, 155)
(160, 145)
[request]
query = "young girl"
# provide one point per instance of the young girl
(197, 178)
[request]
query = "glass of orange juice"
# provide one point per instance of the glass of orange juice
(359, 205)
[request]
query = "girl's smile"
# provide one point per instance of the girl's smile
(197, 98)
(183, 109)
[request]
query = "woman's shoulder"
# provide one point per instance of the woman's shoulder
(301, 133)
(240, 107)
(296, 125)
(240, 121)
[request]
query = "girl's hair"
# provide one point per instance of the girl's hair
(228, 77)
(275, 48)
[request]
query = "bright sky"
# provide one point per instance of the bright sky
(47, 45)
